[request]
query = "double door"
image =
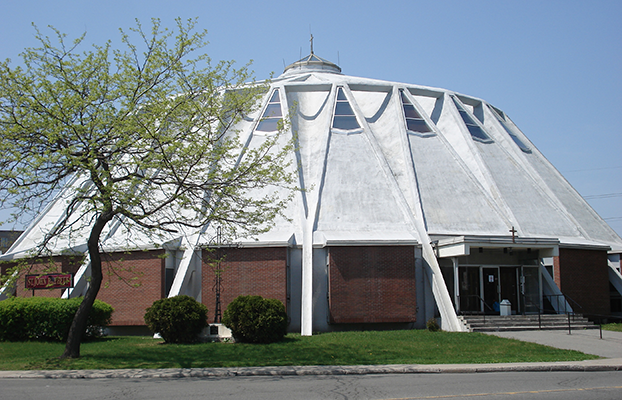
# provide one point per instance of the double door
(482, 288)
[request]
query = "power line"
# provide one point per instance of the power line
(602, 196)
(594, 169)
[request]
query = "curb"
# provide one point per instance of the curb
(176, 373)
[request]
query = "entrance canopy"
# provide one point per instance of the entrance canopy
(464, 245)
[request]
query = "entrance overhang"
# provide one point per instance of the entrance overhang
(461, 245)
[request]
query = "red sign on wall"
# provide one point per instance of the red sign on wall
(49, 281)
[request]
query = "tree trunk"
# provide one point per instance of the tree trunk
(78, 325)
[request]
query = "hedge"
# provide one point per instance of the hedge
(44, 318)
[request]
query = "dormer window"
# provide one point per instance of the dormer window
(344, 118)
(475, 130)
(272, 114)
(414, 121)
(501, 118)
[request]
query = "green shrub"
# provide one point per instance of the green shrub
(178, 319)
(44, 318)
(432, 325)
(253, 319)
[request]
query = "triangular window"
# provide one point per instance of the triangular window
(344, 117)
(475, 130)
(414, 121)
(501, 118)
(272, 114)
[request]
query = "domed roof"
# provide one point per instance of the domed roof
(404, 161)
(395, 162)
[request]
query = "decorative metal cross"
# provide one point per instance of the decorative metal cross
(311, 40)
(513, 234)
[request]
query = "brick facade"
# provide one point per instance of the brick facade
(132, 282)
(582, 275)
(57, 264)
(247, 271)
(372, 284)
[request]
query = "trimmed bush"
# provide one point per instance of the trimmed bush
(178, 319)
(44, 318)
(253, 319)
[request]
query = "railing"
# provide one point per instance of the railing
(558, 297)
(566, 301)
(482, 301)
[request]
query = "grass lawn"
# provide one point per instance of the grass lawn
(613, 327)
(344, 348)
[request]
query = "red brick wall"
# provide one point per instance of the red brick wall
(583, 276)
(247, 271)
(50, 265)
(372, 284)
(132, 282)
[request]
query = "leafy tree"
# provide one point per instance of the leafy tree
(144, 134)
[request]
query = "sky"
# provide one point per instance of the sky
(554, 67)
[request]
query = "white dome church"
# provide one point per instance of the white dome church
(418, 203)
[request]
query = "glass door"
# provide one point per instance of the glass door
(469, 289)
(508, 277)
(530, 289)
(491, 289)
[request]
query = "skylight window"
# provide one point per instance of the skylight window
(505, 126)
(414, 121)
(475, 130)
(344, 117)
(272, 114)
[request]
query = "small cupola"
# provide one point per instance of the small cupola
(312, 63)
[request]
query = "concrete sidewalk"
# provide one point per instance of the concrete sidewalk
(586, 341)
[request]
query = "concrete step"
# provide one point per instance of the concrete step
(496, 323)
(530, 328)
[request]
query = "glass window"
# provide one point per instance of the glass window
(475, 130)
(414, 121)
(505, 126)
(272, 115)
(343, 108)
(344, 117)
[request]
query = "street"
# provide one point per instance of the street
(505, 385)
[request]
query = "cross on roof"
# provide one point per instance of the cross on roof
(513, 234)
(311, 40)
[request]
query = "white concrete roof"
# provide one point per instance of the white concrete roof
(466, 171)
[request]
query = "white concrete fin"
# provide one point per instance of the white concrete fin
(80, 280)
(549, 288)
(615, 278)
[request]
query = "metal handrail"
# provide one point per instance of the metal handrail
(567, 300)
(542, 310)
(483, 302)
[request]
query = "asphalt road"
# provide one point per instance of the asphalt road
(505, 385)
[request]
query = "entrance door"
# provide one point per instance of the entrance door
(491, 289)
(509, 286)
(530, 289)
(469, 289)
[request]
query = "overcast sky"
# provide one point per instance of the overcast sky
(554, 66)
